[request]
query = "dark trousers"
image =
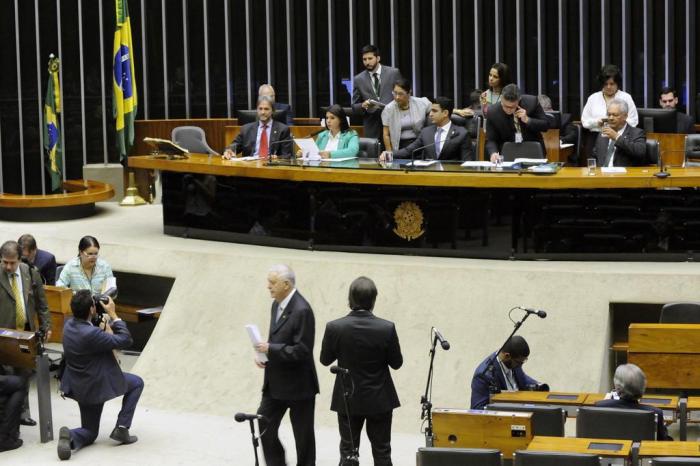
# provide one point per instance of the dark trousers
(90, 414)
(13, 390)
(378, 432)
(301, 414)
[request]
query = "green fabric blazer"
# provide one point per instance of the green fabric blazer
(348, 146)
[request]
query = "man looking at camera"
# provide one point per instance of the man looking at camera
(93, 376)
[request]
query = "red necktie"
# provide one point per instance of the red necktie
(263, 149)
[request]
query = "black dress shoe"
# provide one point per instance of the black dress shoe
(63, 448)
(8, 444)
(121, 435)
(28, 421)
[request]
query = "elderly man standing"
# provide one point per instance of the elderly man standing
(620, 144)
(290, 374)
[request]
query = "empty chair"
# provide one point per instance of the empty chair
(458, 457)
(675, 461)
(525, 149)
(191, 138)
(680, 313)
(652, 151)
(692, 150)
(369, 148)
(615, 423)
(547, 458)
(546, 419)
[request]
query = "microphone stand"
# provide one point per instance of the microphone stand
(354, 457)
(426, 403)
(255, 441)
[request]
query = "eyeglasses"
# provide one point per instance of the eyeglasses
(91, 254)
(398, 94)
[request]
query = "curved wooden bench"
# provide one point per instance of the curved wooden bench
(78, 201)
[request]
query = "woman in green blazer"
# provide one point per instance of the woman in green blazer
(338, 140)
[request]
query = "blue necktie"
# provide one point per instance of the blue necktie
(437, 142)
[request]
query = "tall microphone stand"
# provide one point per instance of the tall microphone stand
(426, 403)
(255, 441)
(493, 387)
(354, 457)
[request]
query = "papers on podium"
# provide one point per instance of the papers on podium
(167, 147)
(309, 149)
(255, 338)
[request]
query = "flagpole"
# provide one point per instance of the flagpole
(60, 80)
(39, 94)
(19, 99)
(102, 85)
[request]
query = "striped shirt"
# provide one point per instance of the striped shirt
(73, 276)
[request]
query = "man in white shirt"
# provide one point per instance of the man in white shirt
(619, 144)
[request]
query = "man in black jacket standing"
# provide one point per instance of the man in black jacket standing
(366, 346)
(290, 374)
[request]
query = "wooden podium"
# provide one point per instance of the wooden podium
(22, 349)
(669, 354)
(58, 299)
(460, 428)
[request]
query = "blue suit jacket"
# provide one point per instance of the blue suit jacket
(92, 374)
(481, 381)
(46, 263)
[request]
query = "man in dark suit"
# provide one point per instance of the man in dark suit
(444, 140)
(290, 374)
(92, 374)
(516, 118)
(376, 83)
(619, 144)
(366, 346)
(668, 98)
(263, 137)
(503, 372)
(630, 383)
(269, 91)
(22, 302)
(13, 390)
(42, 260)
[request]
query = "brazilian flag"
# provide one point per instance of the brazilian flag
(124, 101)
(52, 131)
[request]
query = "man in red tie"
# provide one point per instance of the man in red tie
(263, 138)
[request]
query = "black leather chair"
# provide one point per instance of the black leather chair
(369, 148)
(546, 458)
(675, 461)
(653, 154)
(692, 150)
(546, 420)
(615, 423)
(191, 138)
(458, 457)
(526, 149)
(680, 313)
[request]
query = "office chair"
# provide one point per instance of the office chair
(458, 457)
(546, 420)
(525, 149)
(546, 458)
(680, 313)
(653, 152)
(369, 148)
(692, 150)
(615, 423)
(192, 138)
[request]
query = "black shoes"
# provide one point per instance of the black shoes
(121, 435)
(8, 443)
(27, 421)
(63, 447)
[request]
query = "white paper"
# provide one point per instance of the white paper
(613, 170)
(530, 161)
(255, 338)
(338, 159)
(422, 163)
(478, 163)
(565, 145)
(151, 310)
(250, 158)
(308, 147)
(110, 282)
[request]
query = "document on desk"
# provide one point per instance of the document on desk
(613, 170)
(422, 163)
(478, 164)
(250, 158)
(338, 159)
(308, 148)
(255, 338)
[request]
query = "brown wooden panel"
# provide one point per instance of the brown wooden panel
(17, 348)
(538, 398)
(671, 147)
(668, 370)
(579, 445)
(664, 338)
(58, 299)
(79, 192)
(486, 429)
(662, 448)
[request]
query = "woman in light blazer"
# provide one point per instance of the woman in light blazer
(338, 140)
(404, 117)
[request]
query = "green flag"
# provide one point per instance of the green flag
(124, 102)
(52, 131)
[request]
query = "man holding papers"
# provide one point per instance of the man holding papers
(290, 375)
(262, 138)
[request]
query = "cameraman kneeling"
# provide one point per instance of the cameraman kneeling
(93, 376)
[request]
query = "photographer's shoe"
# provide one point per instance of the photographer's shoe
(9, 443)
(27, 421)
(63, 449)
(121, 435)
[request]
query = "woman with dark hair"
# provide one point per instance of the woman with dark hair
(403, 117)
(87, 271)
(595, 112)
(338, 140)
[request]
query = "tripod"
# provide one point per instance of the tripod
(354, 457)
(255, 441)
(426, 403)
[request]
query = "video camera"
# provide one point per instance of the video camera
(99, 298)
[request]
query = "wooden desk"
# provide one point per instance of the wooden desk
(567, 401)
(58, 299)
(667, 403)
(583, 445)
(649, 449)
(694, 408)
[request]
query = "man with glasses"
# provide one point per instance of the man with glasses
(503, 372)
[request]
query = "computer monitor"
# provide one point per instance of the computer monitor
(249, 116)
(657, 120)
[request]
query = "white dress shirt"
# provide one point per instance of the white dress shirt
(283, 305)
(333, 141)
(596, 108)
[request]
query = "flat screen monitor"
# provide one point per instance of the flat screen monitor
(249, 116)
(657, 120)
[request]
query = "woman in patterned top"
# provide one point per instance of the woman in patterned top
(87, 271)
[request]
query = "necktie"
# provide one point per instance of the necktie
(438, 133)
(263, 149)
(375, 78)
(280, 310)
(516, 122)
(610, 152)
(20, 318)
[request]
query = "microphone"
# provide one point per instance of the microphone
(444, 343)
(271, 152)
(541, 314)
(339, 370)
(242, 417)
(413, 153)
